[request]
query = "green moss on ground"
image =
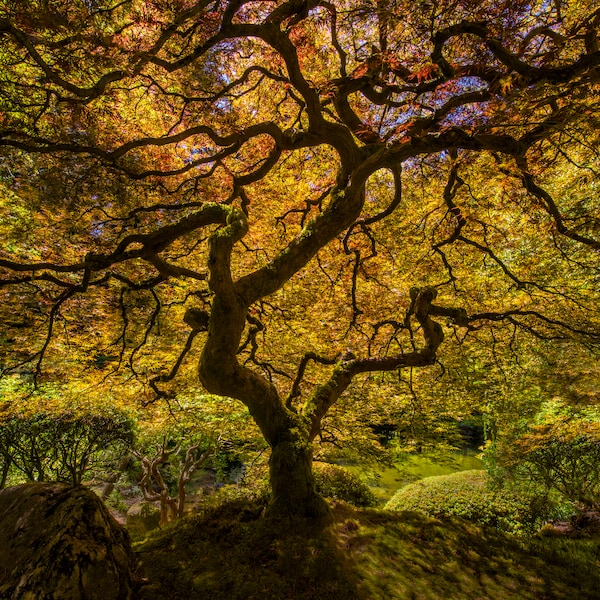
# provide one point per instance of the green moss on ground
(230, 552)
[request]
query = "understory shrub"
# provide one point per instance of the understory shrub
(466, 494)
(336, 482)
(253, 488)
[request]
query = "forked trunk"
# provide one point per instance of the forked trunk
(287, 432)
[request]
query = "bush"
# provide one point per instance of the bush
(467, 495)
(61, 446)
(336, 482)
(563, 455)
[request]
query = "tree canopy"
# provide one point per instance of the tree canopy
(289, 197)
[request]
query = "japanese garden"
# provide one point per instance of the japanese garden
(300, 299)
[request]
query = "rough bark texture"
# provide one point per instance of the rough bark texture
(293, 490)
(60, 543)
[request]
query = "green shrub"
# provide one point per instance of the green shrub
(467, 495)
(61, 446)
(336, 482)
(332, 481)
(252, 492)
(562, 455)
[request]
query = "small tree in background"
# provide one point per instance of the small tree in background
(155, 483)
(556, 453)
(191, 433)
(563, 455)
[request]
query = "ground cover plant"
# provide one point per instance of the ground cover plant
(231, 553)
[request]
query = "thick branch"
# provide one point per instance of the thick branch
(151, 245)
(531, 73)
(310, 356)
(551, 207)
(219, 369)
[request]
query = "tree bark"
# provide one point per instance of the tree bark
(293, 491)
(4, 476)
(287, 433)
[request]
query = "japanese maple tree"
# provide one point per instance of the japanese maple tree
(294, 194)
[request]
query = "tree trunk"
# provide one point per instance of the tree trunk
(286, 432)
(293, 492)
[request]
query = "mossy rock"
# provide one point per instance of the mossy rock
(59, 542)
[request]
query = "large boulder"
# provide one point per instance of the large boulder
(59, 542)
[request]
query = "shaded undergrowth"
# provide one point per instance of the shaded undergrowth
(230, 552)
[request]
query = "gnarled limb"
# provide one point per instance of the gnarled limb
(348, 367)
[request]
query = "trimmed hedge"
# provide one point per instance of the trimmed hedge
(333, 481)
(465, 494)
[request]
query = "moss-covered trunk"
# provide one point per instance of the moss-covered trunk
(286, 431)
(293, 492)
